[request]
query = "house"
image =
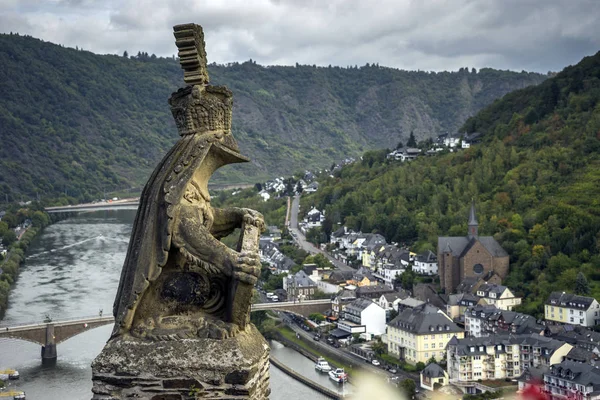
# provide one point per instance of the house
(578, 336)
(404, 154)
(321, 277)
(497, 295)
(389, 301)
(572, 309)
(340, 277)
(270, 254)
(363, 277)
(486, 320)
(575, 380)
(373, 291)
(336, 237)
(501, 356)
(429, 294)
(472, 256)
(363, 313)
(341, 300)
(388, 273)
(433, 376)
(299, 286)
(459, 303)
(531, 380)
(418, 334)
(426, 263)
(314, 218)
(312, 187)
(409, 302)
(409, 153)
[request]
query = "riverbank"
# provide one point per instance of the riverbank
(308, 382)
(15, 256)
(288, 338)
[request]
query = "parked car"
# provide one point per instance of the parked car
(376, 363)
(393, 370)
(317, 338)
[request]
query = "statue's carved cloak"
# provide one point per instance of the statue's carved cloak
(150, 243)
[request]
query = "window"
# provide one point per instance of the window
(581, 321)
(580, 313)
(426, 355)
(478, 268)
(426, 346)
(433, 345)
(497, 355)
(571, 319)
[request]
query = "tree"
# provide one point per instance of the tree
(582, 287)
(9, 238)
(258, 187)
(408, 387)
(399, 145)
(317, 317)
(125, 54)
(378, 347)
(412, 142)
(432, 360)
(420, 366)
(299, 187)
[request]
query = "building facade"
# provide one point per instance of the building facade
(501, 356)
(419, 333)
(469, 256)
(572, 380)
(572, 309)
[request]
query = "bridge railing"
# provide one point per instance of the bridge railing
(98, 318)
(59, 321)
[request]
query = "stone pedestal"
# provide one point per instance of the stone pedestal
(235, 368)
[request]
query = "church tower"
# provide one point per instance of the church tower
(473, 224)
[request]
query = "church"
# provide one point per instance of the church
(471, 256)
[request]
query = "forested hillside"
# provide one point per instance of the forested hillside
(535, 181)
(83, 123)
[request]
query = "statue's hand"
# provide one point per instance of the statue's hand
(247, 268)
(253, 217)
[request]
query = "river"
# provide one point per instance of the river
(72, 269)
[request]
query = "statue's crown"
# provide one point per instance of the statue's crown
(202, 109)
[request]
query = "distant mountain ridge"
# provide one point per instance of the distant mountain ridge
(76, 122)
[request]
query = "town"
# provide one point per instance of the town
(446, 316)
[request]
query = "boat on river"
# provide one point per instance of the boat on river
(6, 374)
(338, 375)
(322, 365)
(13, 394)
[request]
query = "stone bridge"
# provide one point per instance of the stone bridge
(49, 334)
(115, 205)
(304, 308)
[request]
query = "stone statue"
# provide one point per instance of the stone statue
(181, 288)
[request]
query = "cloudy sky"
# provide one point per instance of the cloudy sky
(532, 35)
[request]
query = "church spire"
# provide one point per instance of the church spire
(473, 224)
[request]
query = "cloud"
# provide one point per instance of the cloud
(437, 35)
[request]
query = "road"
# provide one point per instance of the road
(307, 246)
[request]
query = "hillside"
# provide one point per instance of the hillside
(83, 123)
(535, 180)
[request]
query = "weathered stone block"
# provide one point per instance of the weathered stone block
(234, 368)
